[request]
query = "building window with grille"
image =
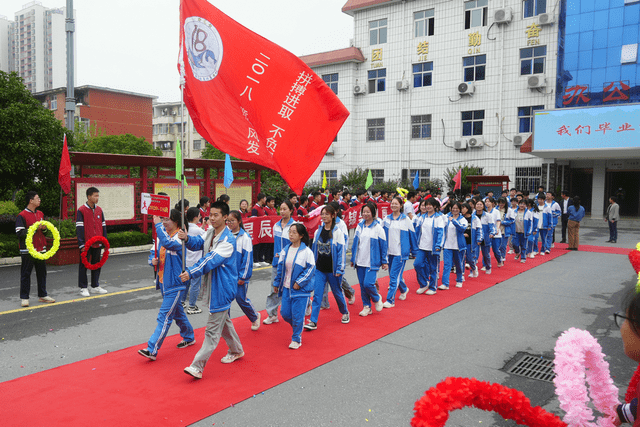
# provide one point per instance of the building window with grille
(166, 145)
(525, 117)
(378, 32)
(377, 175)
(532, 60)
(332, 81)
(54, 103)
(424, 22)
(197, 144)
(422, 74)
(533, 7)
(472, 122)
(421, 127)
(375, 129)
(377, 80)
(474, 67)
(475, 13)
(423, 177)
(528, 179)
(332, 177)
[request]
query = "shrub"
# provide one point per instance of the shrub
(9, 246)
(9, 208)
(128, 238)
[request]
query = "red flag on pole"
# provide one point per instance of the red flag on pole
(458, 180)
(251, 98)
(64, 174)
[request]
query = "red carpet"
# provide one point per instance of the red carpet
(601, 249)
(122, 388)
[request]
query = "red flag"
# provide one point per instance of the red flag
(64, 175)
(251, 98)
(458, 180)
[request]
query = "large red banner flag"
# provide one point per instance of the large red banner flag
(251, 98)
(64, 173)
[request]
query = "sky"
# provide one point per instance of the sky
(132, 45)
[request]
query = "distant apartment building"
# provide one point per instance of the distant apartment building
(111, 111)
(34, 46)
(167, 130)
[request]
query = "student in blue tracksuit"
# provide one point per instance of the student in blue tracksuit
(507, 216)
(556, 212)
(473, 252)
(519, 237)
(514, 208)
(455, 246)
(531, 227)
(430, 241)
(496, 240)
(295, 279)
(368, 255)
(244, 259)
(488, 231)
(280, 240)
(401, 241)
(219, 268)
(169, 262)
(328, 250)
(545, 225)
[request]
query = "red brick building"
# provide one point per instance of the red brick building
(112, 111)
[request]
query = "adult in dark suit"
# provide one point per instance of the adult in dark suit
(613, 215)
(564, 206)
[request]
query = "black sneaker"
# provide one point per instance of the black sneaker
(146, 353)
(311, 326)
(184, 344)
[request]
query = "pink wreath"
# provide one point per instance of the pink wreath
(578, 356)
(432, 409)
(105, 255)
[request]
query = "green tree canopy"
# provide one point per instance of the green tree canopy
(212, 153)
(120, 144)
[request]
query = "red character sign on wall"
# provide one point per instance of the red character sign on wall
(616, 91)
(576, 93)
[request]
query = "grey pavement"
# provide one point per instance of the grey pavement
(376, 385)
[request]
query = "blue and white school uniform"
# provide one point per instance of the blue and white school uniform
(430, 240)
(295, 265)
(545, 228)
(401, 242)
(368, 253)
(244, 259)
(488, 229)
(455, 246)
(496, 240)
(280, 240)
(531, 229)
(556, 212)
(508, 220)
(335, 249)
(193, 285)
(345, 285)
(477, 238)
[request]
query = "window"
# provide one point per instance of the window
(332, 81)
(422, 74)
(533, 7)
(375, 129)
(423, 23)
(377, 80)
(54, 103)
(197, 144)
(378, 32)
(475, 13)
(165, 145)
(474, 67)
(532, 60)
(164, 128)
(472, 122)
(423, 178)
(525, 117)
(377, 175)
(528, 179)
(421, 127)
(332, 177)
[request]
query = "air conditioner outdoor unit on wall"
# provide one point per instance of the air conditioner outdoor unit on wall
(460, 145)
(358, 90)
(402, 85)
(466, 88)
(536, 81)
(502, 16)
(330, 151)
(545, 19)
(520, 139)
(476, 142)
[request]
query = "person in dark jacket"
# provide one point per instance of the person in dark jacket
(90, 222)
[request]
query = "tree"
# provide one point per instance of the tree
(450, 173)
(119, 144)
(212, 153)
(31, 141)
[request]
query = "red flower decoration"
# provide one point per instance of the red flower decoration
(634, 257)
(432, 409)
(105, 255)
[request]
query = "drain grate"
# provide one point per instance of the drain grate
(534, 367)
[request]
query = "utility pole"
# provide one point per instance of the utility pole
(70, 104)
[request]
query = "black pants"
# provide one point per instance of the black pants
(565, 222)
(28, 262)
(93, 257)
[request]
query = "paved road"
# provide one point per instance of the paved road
(379, 382)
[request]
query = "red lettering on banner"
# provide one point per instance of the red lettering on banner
(563, 130)
(625, 127)
(616, 94)
(604, 127)
(580, 128)
(577, 93)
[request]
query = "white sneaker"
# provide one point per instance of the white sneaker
(25, 303)
(483, 268)
(84, 292)
(403, 296)
(532, 255)
(352, 300)
(535, 253)
(256, 265)
(265, 264)
(193, 372)
(430, 292)
(387, 304)
(488, 271)
(466, 266)
(501, 264)
(553, 245)
(98, 290)
(230, 358)
(458, 284)
(510, 252)
(365, 311)
(477, 272)
(523, 261)
(295, 345)
(271, 319)
(379, 304)
(255, 325)
(443, 287)
(547, 252)
(543, 253)
(421, 291)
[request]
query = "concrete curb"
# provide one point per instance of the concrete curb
(114, 251)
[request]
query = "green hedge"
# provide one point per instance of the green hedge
(9, 208)
(9, 245)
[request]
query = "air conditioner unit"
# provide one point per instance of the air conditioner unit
(402, 85)
(466, 88)
(460, 145)
(174, 113)
(520, 139)
(536, 81)
(545, 19)
(476, 141)
(330, 151)
(502, 16)
(358, 90)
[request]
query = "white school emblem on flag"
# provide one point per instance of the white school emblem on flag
(204, 48)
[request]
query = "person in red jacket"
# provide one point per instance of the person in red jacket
(90, 222)
(29, 216)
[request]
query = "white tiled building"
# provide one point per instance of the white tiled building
(167, 130)
(433, 84)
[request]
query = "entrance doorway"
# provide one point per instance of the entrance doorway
(625, 185)
(582, 186)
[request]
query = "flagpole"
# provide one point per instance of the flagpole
(182, 165)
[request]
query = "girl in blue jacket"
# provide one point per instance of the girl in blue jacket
(488, 231)
(244, 260)
(328, 250)
(496, 239)
(401, 241)
(531, 227)
(168, 280)
(455, 246)
(546, 226)
(430, 241)
(368, 255)
(507, 218)
(294, 280)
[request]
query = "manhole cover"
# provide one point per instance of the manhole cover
(534, 367)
